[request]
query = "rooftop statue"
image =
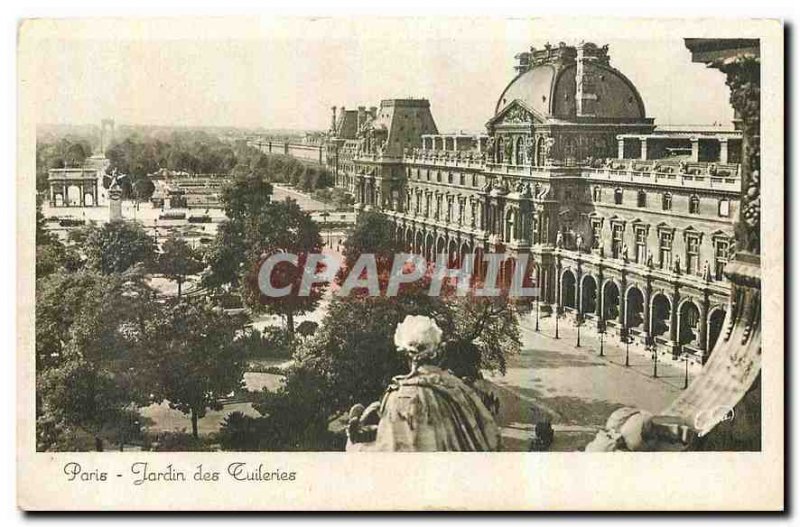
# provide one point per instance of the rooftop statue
(427, 410)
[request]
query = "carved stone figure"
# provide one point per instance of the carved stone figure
(560, 239)
(427, 410)
(706, 272)
(516, 114)
(508, 150)
(547, 149)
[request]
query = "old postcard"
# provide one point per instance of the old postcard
(400, 264)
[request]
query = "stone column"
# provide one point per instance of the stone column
(598, 301)
(558, 284)
(695, 149)
(644, 148)
(673, 320)
(579, 290)
(623, 303)
(620, 148)
(703, 331)
(723, 150)
(648, 289)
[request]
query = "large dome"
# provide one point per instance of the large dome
(551, 89)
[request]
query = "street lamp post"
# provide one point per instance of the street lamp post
(558, 315)
(628, 339)
(686, 370)
(537, 314)
(601, 331)
(578, 323)
(654, 352)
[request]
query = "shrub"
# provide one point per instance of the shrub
(172, 216)
(240, 432)
(71, 222)
(200, 219)
(272, 342)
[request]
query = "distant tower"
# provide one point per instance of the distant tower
(106, 134)
(333, 119)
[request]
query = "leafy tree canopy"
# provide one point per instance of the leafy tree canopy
(194, 359)
(116, 246)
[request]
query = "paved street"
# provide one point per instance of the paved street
(306, 202)
(574, 388)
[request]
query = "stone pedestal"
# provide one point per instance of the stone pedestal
(114, 204)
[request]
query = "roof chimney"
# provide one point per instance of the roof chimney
(333, 118)
(361, 117)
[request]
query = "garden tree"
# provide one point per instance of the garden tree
(257, 228)
(374, 234)
(338, 198)
(178, 260)
(296, 416)
(51, 254)
(70, 151)
(193, 152)
(485, 334)
(143, 188)
(354, 349)
(61, 298)
(117, 246)
(224, 257)
(194, 360)
(245, 197)
(281, 168)
(91, 343)
(75, 154)
(243, 200)
(51, 257)
(282, 227)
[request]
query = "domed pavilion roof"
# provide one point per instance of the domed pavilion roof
(547, 84)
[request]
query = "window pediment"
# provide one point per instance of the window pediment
(516, 113)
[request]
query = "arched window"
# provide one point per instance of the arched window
(618, 196)
(694, 205)
(540, 155)
(597, 194)
(666, 201)
(520, 151)
(641, 199)
(724, 207)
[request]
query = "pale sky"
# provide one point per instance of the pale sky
(287, 74)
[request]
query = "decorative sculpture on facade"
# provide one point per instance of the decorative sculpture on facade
(517, 114)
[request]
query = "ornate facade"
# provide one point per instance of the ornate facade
(630, 226)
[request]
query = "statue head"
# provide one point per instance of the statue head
(419, 337)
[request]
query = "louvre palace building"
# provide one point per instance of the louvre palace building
(629, 226)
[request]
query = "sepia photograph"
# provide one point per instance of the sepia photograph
(347, 236)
